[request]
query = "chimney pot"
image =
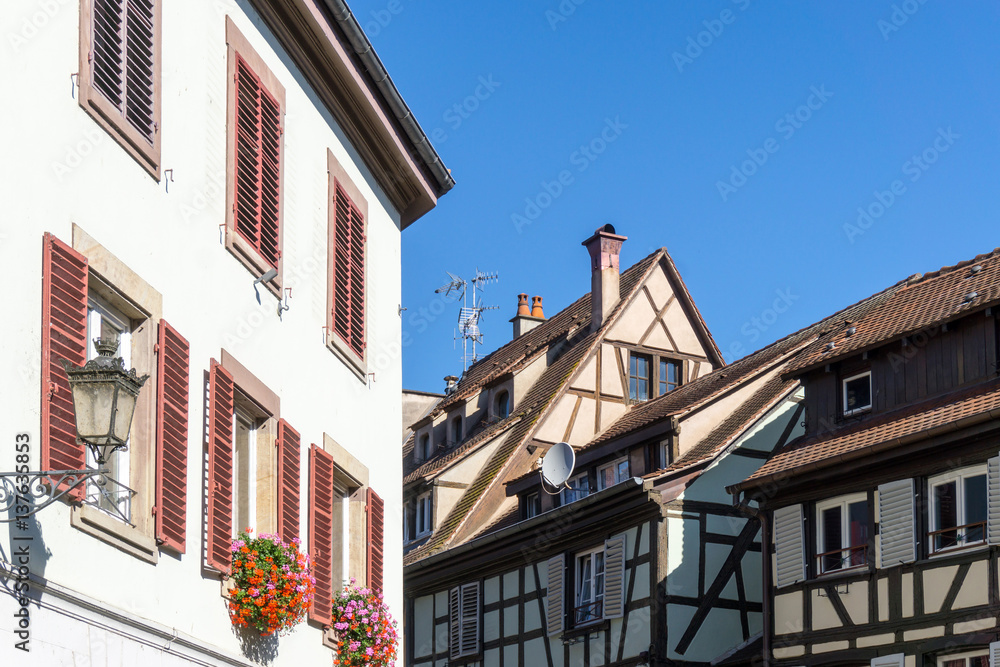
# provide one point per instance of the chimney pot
(536, 307)
(522, 305)
(450, 381)
(605, 248)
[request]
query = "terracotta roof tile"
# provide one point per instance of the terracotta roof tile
(915, 304)
(906, 423)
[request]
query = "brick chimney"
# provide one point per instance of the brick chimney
(604, 247)
(526, 318)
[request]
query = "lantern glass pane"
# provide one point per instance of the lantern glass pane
(92, 403)
(123, 420)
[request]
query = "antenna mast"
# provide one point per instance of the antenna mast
(470, 316)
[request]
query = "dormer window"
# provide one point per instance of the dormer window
(456, 430)
(612, 473)
(858, 393)
(502, 406)
(424, 447)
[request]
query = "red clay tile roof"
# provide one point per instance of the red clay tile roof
(530, 409)
(737, 422)
(915, 304)
(518, 352)
(723, 379)
(909, 423)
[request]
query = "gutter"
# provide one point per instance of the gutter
(363, 48)
(847, 457)
(572, 508)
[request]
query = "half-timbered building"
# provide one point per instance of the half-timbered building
(882, 521)
(641, 558)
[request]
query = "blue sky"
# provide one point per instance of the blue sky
(744, 136)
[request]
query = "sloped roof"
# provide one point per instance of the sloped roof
(915, 304)
(912, 422)
(713, 384)
(530, 409)
(441, 461)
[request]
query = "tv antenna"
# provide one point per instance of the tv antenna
(469, 316)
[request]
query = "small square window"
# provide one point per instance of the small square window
(612, 473)
(670, 376)
(532, 505)
(858, 393)
(576, 488)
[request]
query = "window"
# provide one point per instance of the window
(958, 509)
(502, 407)
(456, 430)
(424, 518)
(115, 496)
(612, 473)
(120, 73)
(972, 659)
(842, 533)
(532, 505)
(858, 393)
(577, 487)
(589, 587)
(346, 249)
(244, 470)
(424, 450)
(670, 375)
(255, 163)
(664, 453)
(638, 376)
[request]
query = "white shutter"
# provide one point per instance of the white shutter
(470, 619)
(896, 523)
(614, 577)
(554, 616)
(455, 621)
(894, 660)
(789, 546)
(995, 654)
(993, 493)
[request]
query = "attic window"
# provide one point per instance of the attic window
(858, 393)
(502, 407)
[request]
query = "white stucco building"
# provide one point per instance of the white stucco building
(160, 160)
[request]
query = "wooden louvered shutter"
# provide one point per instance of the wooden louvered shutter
(995, 654)
(993, 501)
(64, 337)
(289, 480)
(455, 622)
(789, 546)
(614, 577)
(123, 54)
(321, 532)
(375, 511)
(470, 619)
(555, 614)
(896, 523)
(220, 467)
(349, 272)
(257, 206)
(172, 382)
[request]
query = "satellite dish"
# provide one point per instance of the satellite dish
(557, 464)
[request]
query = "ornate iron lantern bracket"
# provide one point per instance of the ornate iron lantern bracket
(18, 490)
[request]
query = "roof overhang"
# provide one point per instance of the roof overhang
(329, 48)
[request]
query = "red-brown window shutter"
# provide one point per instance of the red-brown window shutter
(64, 336)
(258, 164)
(289, 466)
(123, 50)
(220, 468)
(376, 540)
(172, 382)
(349, 272)
(321, 532)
